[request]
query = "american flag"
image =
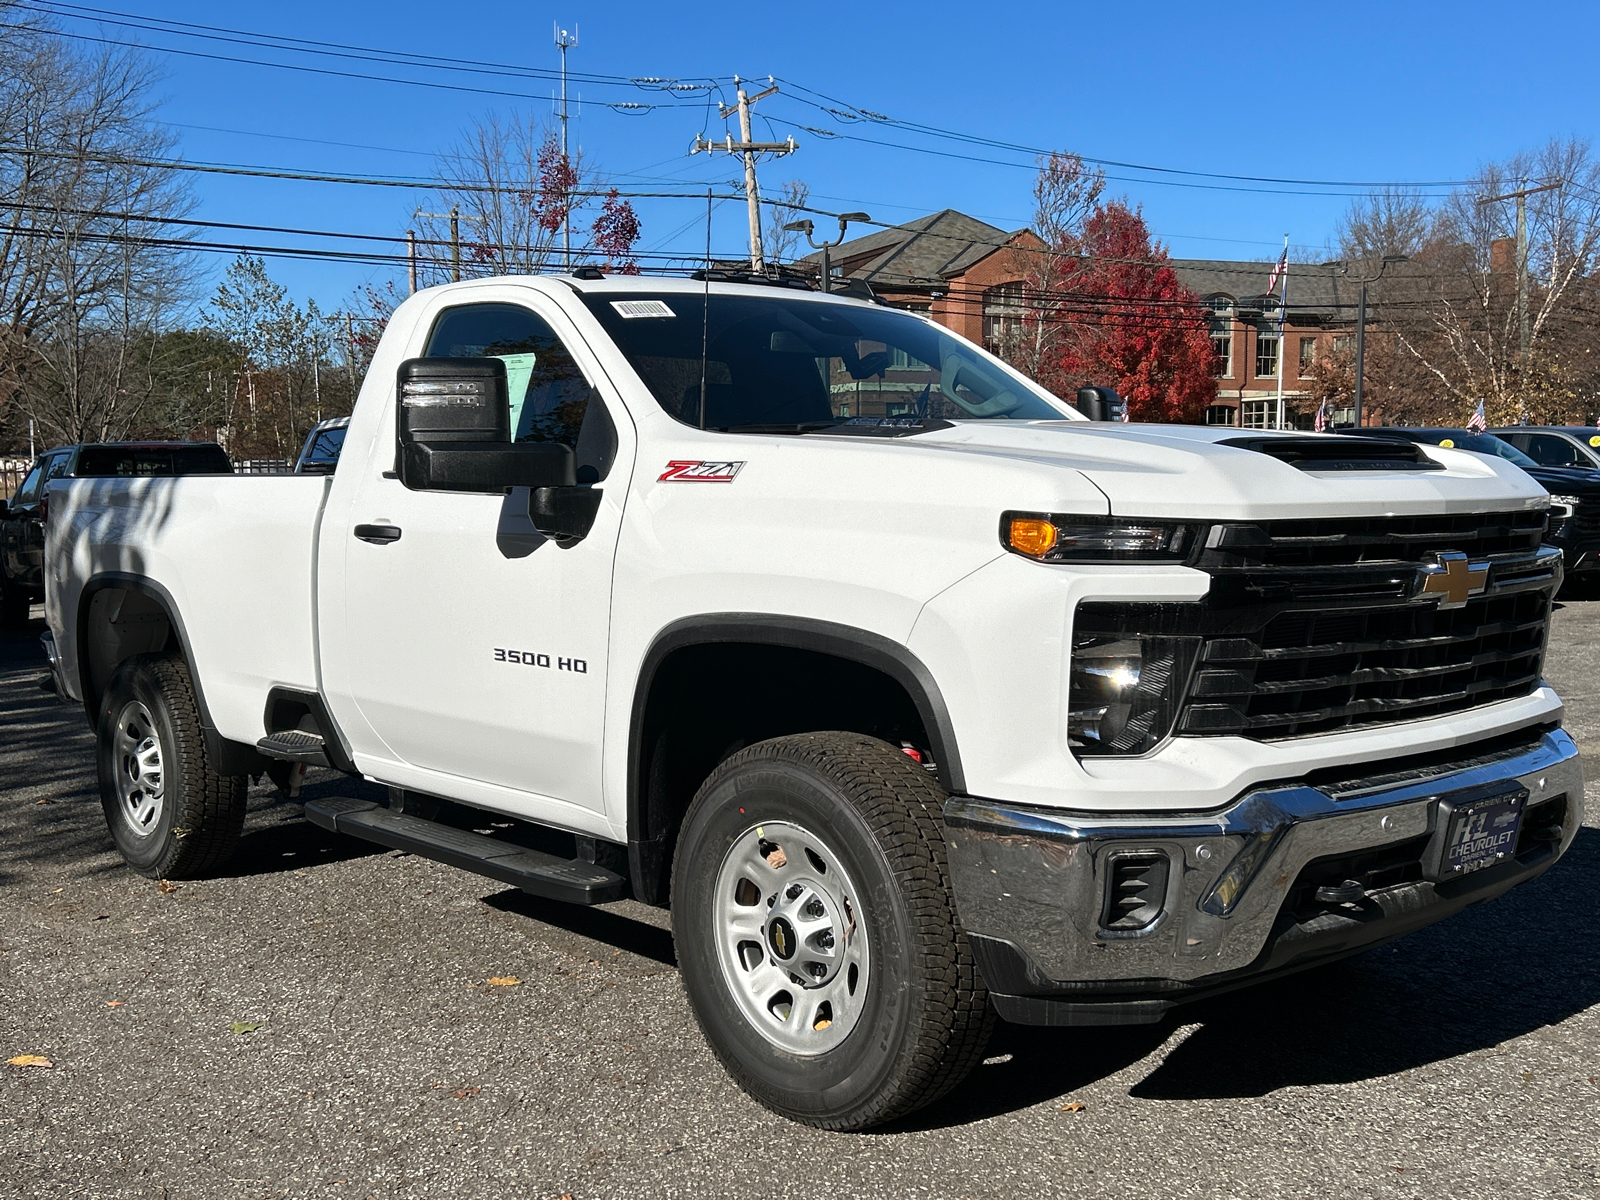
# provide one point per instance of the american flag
(1477, 422)
(1322, 417)
(1278, 272)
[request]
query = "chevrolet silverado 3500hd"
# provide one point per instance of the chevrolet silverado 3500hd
(918, 696)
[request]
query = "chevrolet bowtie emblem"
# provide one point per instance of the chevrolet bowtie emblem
(1452, 578)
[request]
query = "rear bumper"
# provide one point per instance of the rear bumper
(1239, 905)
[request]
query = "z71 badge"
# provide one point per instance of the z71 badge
(699, 472)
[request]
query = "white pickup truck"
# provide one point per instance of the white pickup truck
(917, 695)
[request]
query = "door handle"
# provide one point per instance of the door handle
(378, 535)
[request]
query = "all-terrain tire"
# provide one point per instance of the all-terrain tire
(925, 1018)
(186, 820)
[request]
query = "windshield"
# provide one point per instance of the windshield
(789, 363)
(1480, 443)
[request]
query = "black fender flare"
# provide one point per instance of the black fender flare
(802, 633)
(228, 757)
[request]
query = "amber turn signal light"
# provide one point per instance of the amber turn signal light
(1032, 537)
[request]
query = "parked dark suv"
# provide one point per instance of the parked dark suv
(1556, 445)
(22, 517)
(1574, 491)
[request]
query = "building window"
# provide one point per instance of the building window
(1222, 346)
(1266, 356)
(1341, 343)
(1257, 414)
(1221, 414)
(1002, 318)
(1308, 356)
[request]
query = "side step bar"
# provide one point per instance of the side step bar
(294, 745)
(571, 880)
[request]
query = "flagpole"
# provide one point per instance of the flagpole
(1283, 342)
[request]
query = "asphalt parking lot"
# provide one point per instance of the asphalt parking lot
(318, 1022)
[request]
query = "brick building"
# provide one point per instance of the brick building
(967, 275)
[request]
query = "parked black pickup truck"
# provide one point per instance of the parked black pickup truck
(22, 517)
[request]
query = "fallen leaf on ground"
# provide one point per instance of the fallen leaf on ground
(46, 800)
(504, 981)
(777, 858)
(464, 1093)
(822, 1024)
(1075, 1106)
(166, 887)
(103, 917)
(114, 1003)
(29, 1060)
(246, 1026)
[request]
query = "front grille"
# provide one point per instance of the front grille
(1587, 518)
(1316, 626)
(1315, 671)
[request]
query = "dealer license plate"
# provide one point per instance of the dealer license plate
(1478, 831)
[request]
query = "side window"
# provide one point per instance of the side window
(29, 490)
(57, 468)
(1553, 451)
(551, 401)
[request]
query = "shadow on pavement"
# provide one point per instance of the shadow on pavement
(597, 924)
(1488, 975)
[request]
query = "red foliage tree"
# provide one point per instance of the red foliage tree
(615, 231)
(1132, 325)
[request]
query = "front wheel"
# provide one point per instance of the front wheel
(171, 815)
(817, 934)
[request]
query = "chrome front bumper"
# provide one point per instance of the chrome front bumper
(1031, 882)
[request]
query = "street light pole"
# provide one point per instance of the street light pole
(806, 227)
(1361, 323)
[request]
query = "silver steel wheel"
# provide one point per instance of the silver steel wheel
(790, 938)
(141, 782)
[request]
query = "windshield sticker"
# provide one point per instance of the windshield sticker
(1448, 443)
(699, 472)
(632, 309)
(1594, 441)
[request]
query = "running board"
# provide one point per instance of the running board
(572, 880)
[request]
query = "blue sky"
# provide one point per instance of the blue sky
(1348, 92)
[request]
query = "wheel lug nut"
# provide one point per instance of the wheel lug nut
(794, 891)
(772, 899)
(818, 970)
(815, 909)
(825, 939)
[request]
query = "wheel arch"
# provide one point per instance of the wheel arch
(99, 657)
(851, 650)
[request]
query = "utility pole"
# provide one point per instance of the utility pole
(1521, 197)
(564, 41)
(350, 351)
(411, 259)
(749, 149)
(455, 218)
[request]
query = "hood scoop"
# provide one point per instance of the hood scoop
(1339, 453)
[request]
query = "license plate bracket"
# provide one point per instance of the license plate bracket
(1473, 829)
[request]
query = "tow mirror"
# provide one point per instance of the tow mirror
(1099, 404)
(453, 431)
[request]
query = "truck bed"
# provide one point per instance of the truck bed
(247, 612)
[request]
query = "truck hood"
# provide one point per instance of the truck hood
(1185, 472)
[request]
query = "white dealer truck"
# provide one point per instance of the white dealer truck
(917, 695)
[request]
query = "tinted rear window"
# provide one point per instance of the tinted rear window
(130, 461)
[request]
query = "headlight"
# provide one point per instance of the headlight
(1051, 538)
(1125, 691)
(1562, 506)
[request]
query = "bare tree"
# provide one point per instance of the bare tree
(1065, 195)
(784, 208)
(87, 258)
(511, 189)
(1459, 317)
(1389, 222)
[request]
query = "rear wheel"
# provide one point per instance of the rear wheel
(170, 814)
(817, 934)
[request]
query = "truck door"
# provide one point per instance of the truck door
(477, 647)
